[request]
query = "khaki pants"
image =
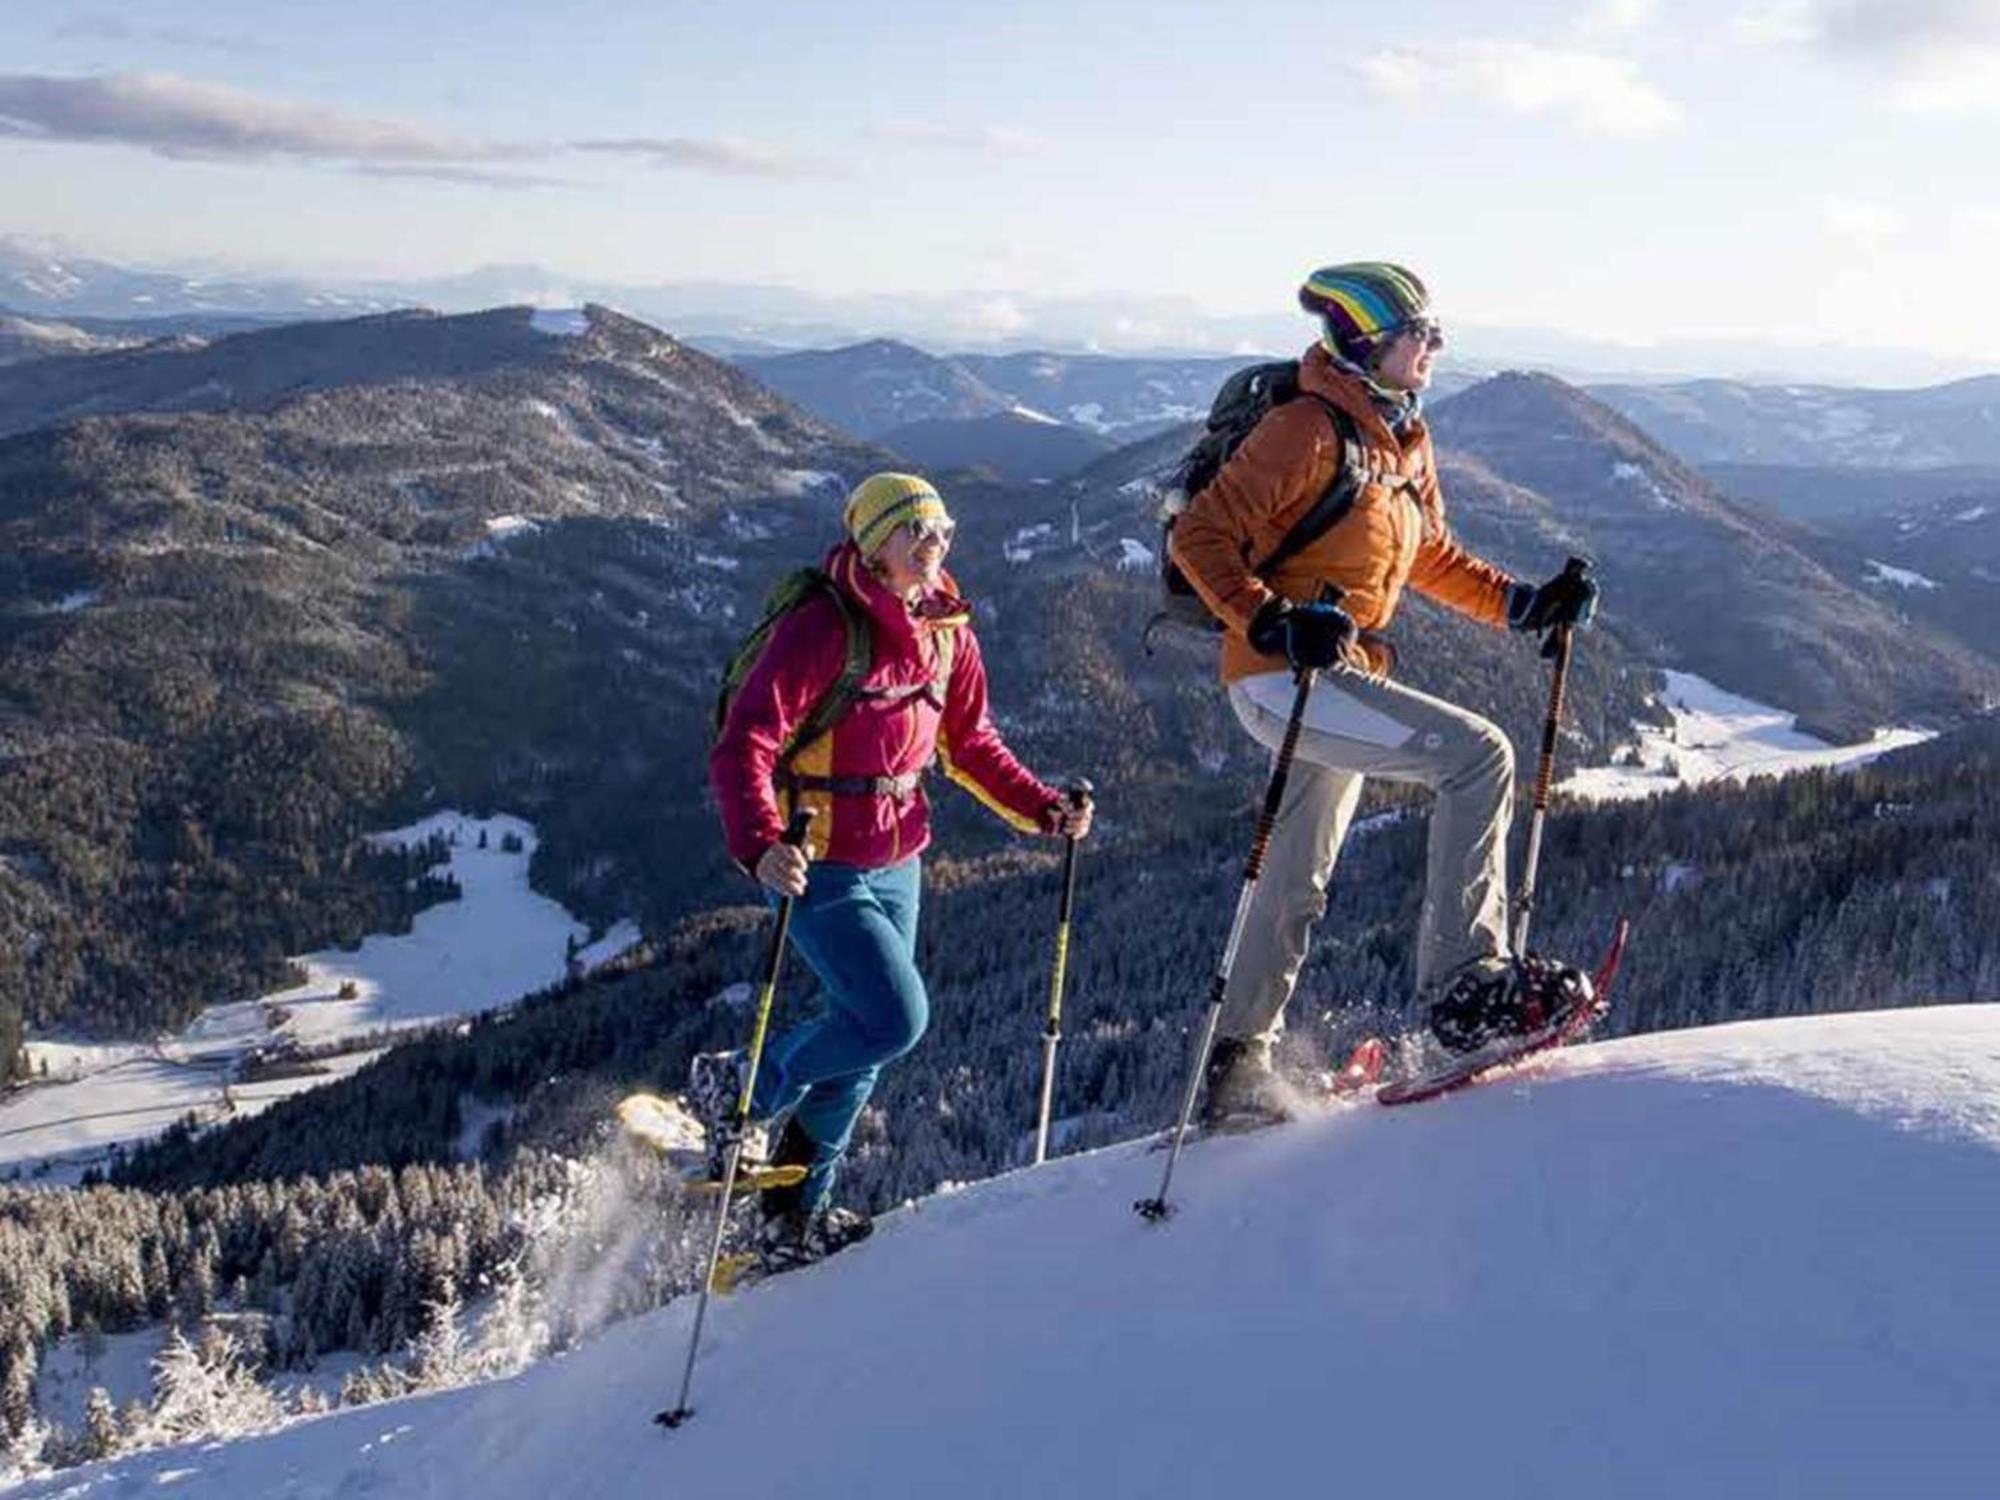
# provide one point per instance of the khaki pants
(1357, 726)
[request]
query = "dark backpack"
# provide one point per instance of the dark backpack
(792, 591)
(1244, 400)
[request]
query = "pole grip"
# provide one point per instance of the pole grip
(799, 826)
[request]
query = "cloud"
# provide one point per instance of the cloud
(1869, 226)
(1594, 92)
(463, 176)
(1938, 56)
(115, 29)
(183, 118)
(1004, 140)
(1613, 20)
(1775, 23)
(722, 154)
(179, 117)
(1907, 27)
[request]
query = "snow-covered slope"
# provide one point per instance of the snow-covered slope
(1750, 1261)
(1718, 735)
(497, 942)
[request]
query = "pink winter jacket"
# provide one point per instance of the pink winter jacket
(903, 719)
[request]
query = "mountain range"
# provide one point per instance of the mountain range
(262, 592)
(37, 278)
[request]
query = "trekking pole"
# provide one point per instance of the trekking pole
(1078, 792)
(795, 835)
(1156, 1208)
(1545, 768)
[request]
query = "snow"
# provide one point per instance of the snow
(1750, 1260)
(1720, 736)
(1633, 474)
(69, 604)
(795, 484)
(1881, 572)
(1020, 547)
(498, 942)
(1977, 513)
(716, 560)
(1134, 556)
(559, 322)
(1029, 414)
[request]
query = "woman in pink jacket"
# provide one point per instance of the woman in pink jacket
(854, 913)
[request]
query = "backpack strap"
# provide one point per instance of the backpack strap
(846, 685)
(1334, 503)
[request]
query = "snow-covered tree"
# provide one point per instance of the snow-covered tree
(102, 1436)
(438, 1354)
(513, 1332)
(205, 1391)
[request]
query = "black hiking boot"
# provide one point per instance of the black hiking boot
(1242, 1089)
(787, 1241)
(1500, 999)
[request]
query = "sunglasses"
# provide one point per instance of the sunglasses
(923, 529)
(1427, 329)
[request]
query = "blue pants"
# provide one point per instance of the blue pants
(857, 930)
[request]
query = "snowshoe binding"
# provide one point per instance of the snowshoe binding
(714, 1091)
(1520, 997)
(1482, 1027)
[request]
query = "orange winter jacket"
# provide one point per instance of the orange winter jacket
(1394, 535)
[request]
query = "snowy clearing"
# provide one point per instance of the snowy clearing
(1719, 736)
(1753, 1260)
(795, 484)
(559, 322)
(1902, 578)
(498, 942)
(1134, 556)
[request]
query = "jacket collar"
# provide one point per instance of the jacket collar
(902, 624)
(1398, 423)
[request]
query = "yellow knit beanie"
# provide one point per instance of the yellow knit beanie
(882, 502)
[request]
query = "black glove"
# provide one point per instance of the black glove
(1306, 635)
(1569, 598)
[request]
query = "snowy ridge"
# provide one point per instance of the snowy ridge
(1752, 1260)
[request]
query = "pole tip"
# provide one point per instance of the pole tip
(675, 1417)
(1153, 1210)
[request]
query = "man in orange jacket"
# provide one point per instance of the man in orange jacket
(1372, 362)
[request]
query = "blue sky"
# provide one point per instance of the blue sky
(1787, 171)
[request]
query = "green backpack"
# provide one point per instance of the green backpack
(792, 591)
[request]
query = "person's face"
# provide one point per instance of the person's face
(1405, 364)
(913, 557)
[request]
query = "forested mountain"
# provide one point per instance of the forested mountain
(1707, 421)
(1938, 562)
(37, 338)
(1736, 594)
(216, 629)
(869, 388)
(1012, 445)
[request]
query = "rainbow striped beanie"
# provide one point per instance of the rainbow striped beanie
(882, 502)
(1357, 302)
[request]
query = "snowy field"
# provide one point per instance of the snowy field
(1718, 736)
(1749, 1261)
(487, 949)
